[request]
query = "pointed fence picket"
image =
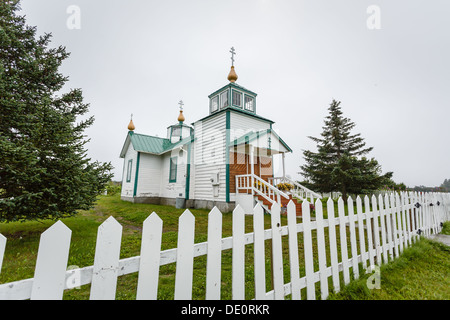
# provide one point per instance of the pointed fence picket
(333, 246)
(238, 261)
(259, 253)
(51, 263)
(147, 288)
(384, 229)
(309, 261)
(343, 238)
(293, 251)
(106, 260)
(2, 250)
(185, 256)
(214, 257)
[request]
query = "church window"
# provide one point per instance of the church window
(129, 168)
(173, 170)
(249, 103)
(215, 103)
(224, 99)
(237, 99)
(176, 131)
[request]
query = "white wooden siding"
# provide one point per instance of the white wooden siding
(127, 187)
(149, 181)
(209, 158)
(241, 124)
(173, 189)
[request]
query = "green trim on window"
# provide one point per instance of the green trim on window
(188, 169)
(129, 170)
(227, 156)
(173, 163)
(137, 173)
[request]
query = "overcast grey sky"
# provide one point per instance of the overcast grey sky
(142, 57)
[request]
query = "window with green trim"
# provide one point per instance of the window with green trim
(129, 169)
(214, 103)
(173, 170)
(224, 99)
(249, 103)
(237, 99)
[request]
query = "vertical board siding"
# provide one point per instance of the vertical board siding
(393, 223)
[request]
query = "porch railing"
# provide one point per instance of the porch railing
(258, 186)
(298, 190)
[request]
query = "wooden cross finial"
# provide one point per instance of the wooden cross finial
(233, 52)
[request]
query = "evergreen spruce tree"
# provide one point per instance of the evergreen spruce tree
(339, 163)
(44, 171)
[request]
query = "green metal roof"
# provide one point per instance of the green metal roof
(150, 144)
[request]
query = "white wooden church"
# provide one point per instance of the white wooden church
(223, 159)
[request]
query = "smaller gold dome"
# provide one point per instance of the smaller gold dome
(232, 76)
(181, 116)
(131, 126)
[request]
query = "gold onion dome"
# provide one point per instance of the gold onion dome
(232, 76)
(131, 126)
(181, 116)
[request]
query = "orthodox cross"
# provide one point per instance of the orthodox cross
(232, 55)
(181, 104)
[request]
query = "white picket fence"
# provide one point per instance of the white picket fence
(378, 234)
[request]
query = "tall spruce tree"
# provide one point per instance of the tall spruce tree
(44, 170)
(339, 163)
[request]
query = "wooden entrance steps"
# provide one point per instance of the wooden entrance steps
(266, 204)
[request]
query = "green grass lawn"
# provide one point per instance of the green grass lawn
(422, 272)
(23, 241)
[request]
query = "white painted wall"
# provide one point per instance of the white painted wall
(127, 187)
(150, 172)
(209, 158)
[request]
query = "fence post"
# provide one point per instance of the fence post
(307, 240)
(147, 287)
(238, 267)
(353, 246)
(259, 253)
(333, 246)
(2, 250)
(277, 257)
(384, 242)
(395, 221)
(51, 263)
(387, 210)
(362, 238)
(343, 235)
(321, 250)
(185, 256)
(293, 251)
(376, 229)
(106, 260)
(214, 257)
